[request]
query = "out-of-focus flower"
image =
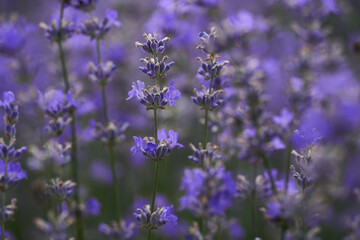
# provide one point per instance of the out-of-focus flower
(121, 230)
(61, 190)
(8, 212)
(97, 29)
(83, 5)
(10, 177)
(101, 72)
(56, 33)
(56, 228)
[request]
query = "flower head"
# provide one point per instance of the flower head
(12, 176)
(56, 227)
(61, 190)
(115, 230)
(83, 5)
(156, 219)
(157, 151)
(97, 29)
(56, 33)
(152, 45)
(101, 73)
(207, 100)
(153, 97)
(11, 113)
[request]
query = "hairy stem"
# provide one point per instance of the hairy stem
(3, 199)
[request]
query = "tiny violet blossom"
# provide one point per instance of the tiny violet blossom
(61, 190)
(121, 230)
(10, 178)
(101, 73)
(205, 100)
(83, 5)
(97, 29)
(11, 113)
(152, 44)
(58, 34)
(154, 70)
(157, 152)
(156, 219)
(153, 97)
(8, 212)
(56, 227)
(55, 103)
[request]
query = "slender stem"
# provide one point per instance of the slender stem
(253, 202)
(156, 173)
(80, 231)
(282, 236)
(98, 50)
(111, 146)
(267, 166)
(115, 183)
(63, 67)
(3, 198)
(206, 127)
(105, 107)
(288, 161)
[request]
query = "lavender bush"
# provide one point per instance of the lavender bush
(225, 120)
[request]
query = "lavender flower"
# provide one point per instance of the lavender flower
(9, 153)
(57, 227)
(121, 230)
(152, 44)
(111, 134)
(262, 187)
(156, 70)
(14, 35)
(157, 152)
(83, 5)
(208, 192)
(206, 100)
(52, 156)
(97, 29)
(302, 177)
(11, 113)
(101, 72)
(153, 97)
(209, 155)
(10, 177)
(156, 219)
(7, 213)
(210, 68)
(56, 33)
(61, 190)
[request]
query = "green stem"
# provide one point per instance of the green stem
(267, 166)
(253, 202)
(98, 50)
(156, 174)
(288, 162)
(80, 231)
(3, 198)
(105, 108)
(115, 183)
(282, 236)
(111, 146)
